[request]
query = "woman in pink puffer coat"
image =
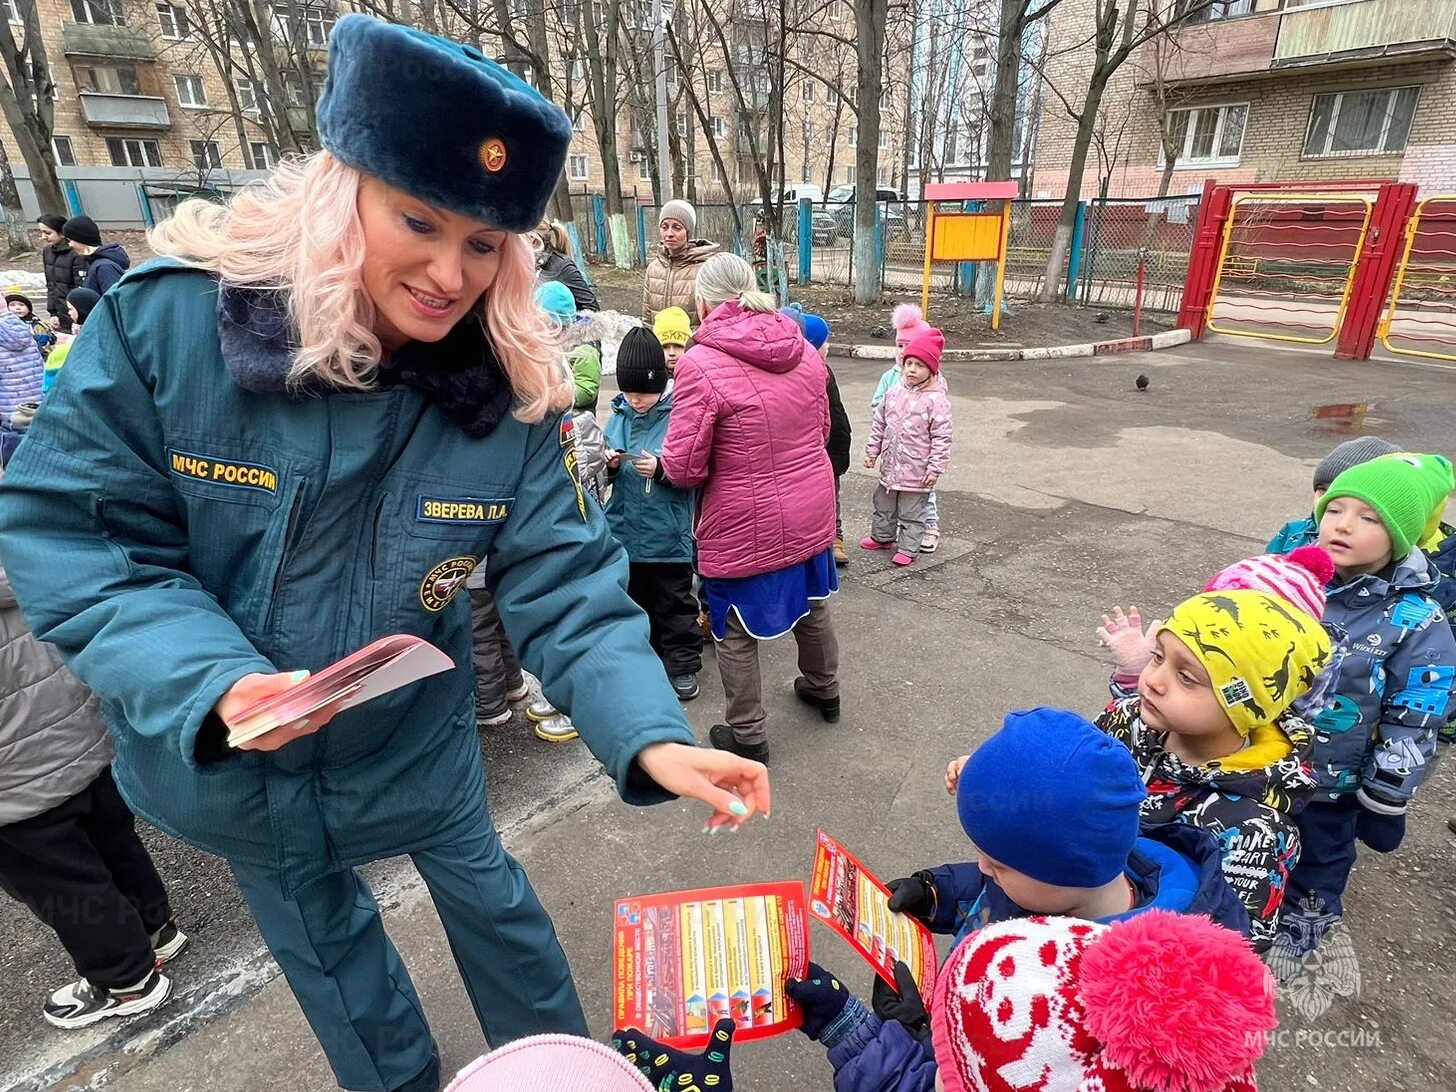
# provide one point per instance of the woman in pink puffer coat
(749, 422)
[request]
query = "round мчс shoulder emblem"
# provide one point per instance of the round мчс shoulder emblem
(493, 155)
(444, 581)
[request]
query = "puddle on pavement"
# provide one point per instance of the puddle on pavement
(1343, 416)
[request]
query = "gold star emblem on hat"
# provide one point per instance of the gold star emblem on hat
(493, 155)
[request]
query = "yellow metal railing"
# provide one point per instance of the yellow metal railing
(1249, 265)
(1412, 230)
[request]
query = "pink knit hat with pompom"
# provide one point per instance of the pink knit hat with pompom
(909, 322)
(1298, 577)
(550, 1063)
(1160, 1002)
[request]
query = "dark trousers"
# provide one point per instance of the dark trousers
(665, 591)
(82, 870)
(497, 672)
(1317, 884)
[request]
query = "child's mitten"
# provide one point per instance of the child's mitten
(678, 1071)
(903, 1004)
(915, 895)
(830, 1010)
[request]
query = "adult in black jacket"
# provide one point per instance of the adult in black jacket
(554, 264)
(64, 268)
(816, 333)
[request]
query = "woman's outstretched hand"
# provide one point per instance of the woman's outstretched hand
(735, 788)
(251, 689)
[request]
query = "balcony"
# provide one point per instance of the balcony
(124, 111)
(95, 40)
(1214, 51)
(1366, 31)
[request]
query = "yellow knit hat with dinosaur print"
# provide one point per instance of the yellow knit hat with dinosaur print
(1260, 653)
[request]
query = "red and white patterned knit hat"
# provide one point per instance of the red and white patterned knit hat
(1298, 577)
(1157, 1003)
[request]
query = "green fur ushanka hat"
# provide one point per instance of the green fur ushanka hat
(441, 122)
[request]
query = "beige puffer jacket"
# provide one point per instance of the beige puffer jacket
(670, 279)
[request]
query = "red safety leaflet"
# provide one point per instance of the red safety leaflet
(685, 959)
(848, 898)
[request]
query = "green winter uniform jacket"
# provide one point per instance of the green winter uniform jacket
(172, 532)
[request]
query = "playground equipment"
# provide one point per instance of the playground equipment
(959, 235)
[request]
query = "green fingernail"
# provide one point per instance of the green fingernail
(738, 807)
(299, 676)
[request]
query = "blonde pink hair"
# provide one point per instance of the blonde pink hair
(299, 232)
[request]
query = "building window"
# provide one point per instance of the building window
(578, 168)
(1208, 136)
(101, 12)
(205, 155)
(719, 128)
(132, 152)
(65, 154)
(174, 22)
(316, 26)
(853, 135)
(262, 154)
(808, 137)
(1361, 122)
(579, 122)
(644, 171)
(717, 171)
(715, 80)
(247, 94)
(109, 79)
(297, 99)
(12, 12)
(190, 91)
(1219, 9)
(809, 91)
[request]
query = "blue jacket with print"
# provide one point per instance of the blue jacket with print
(1378, 734)
(1294, 534)
(653, 520)
(1172, 867)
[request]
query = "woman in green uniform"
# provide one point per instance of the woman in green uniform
(303, 432)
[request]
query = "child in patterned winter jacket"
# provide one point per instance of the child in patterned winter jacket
(1374, 743)
(909, 323)
(911, 440)
(1216, 739)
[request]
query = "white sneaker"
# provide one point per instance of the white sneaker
(81, 1004)
(493, 720)
(168, 942)
(520, 694)
(930, 540)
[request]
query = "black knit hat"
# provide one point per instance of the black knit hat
(82, 229)
(641, 367)
(83, 300)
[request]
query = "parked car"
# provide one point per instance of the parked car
(825, 228)
(893, 210)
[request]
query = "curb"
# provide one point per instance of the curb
(1165, 340)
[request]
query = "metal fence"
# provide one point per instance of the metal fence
(1115, 244)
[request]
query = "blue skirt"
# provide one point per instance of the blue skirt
(771, 604)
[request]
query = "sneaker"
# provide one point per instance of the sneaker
(840, 557)
(519, 694)
(721, 736)
(686, 687)
(868, 543)
(828, 707)
(168, 941)
(930, 540)
(493, 720)
(557, 729)
(541, 710)
(81, 1004)
(902, 559)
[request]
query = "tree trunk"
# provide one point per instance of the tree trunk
(1062, 240)
(17, 237)
(25, 97)
(1002, 147)
(601, 60)
(869, 18)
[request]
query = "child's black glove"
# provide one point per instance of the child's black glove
(676, 1070)
(820, 995)
(915, 895)
(904, 1005)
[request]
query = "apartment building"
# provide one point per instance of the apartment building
(1264, 90)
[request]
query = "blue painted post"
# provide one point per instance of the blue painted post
(72, 194)
(147, 216)
(1074, 260)
(966, 271)
(599, 220)
(642, 235)
(806, 240)
(880, 240)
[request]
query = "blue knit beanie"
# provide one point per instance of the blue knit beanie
(1053, 798)
(556, 300)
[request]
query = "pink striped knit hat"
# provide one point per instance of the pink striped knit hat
(550, 1063)
(909, 323)
(1298, 577)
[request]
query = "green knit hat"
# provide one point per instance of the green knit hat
(1404, 489)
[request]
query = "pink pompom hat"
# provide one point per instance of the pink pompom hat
(550, 1063)
(1298, 577)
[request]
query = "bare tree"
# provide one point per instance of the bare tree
(1016, 17)
(27, 97)
(17, 231)
(1116, 34)
(869, 26)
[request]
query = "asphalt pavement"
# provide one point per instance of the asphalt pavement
(1069, 492)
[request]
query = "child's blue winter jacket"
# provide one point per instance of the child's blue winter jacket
(1378, 735)
(653, 520)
